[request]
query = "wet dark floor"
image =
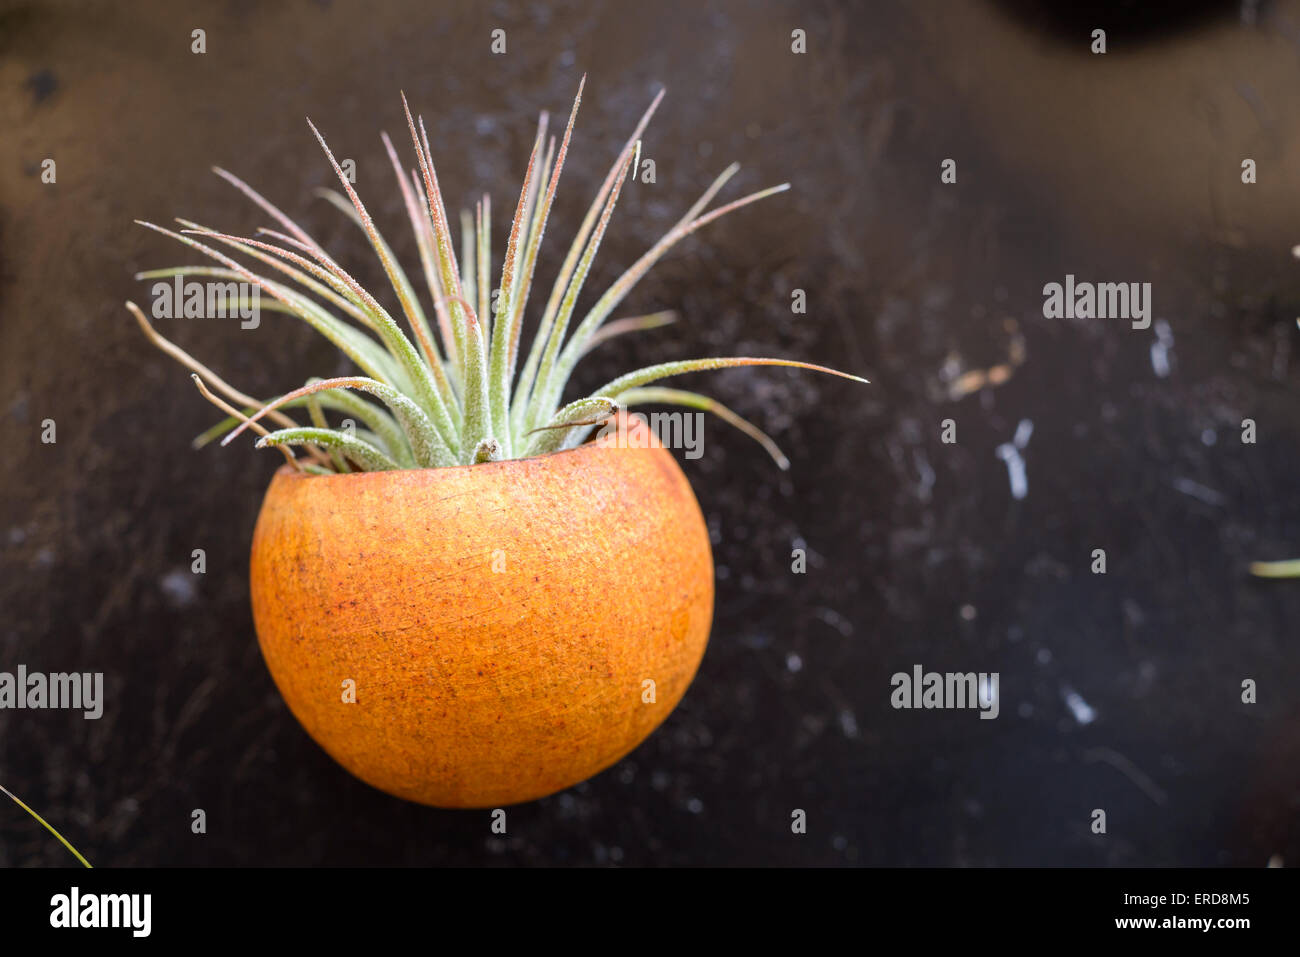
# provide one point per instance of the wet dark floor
(1120, 692)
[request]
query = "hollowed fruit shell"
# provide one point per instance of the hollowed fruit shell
(501, 622)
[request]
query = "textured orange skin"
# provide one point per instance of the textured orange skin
(479, 688)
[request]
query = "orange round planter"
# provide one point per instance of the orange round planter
(507, 629)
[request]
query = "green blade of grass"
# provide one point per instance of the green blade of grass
(46, 824)
(410, 302)
(469, 239)
(362, 452)
(666, 369)
(423, 240)
(625, 283)
(392, 439)
(185, 359)
(425, 442)
(584, 413)
(427, 392)
(522, 403)
(1284, 569)
(231, 303)
(475, 401)
(229, 409)
(497, 384)
(398, 346)
(340, 296)
(551, 180)
(547, 372)
(273, 211)
(318, 420)
(348, 339)
(453, 328)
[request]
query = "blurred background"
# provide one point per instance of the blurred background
(1119, 691)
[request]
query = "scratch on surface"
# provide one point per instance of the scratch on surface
(1198, 491)
(926, 473)
(975, 379)
(1009, 452)
(1160, 349)
(1127, 768)
(1083, 712)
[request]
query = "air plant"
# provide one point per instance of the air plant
(509, 606)
(452, 392)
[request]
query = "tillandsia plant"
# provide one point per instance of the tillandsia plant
(455, 396)
(455, 579)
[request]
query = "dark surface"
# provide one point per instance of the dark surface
(1121, 168)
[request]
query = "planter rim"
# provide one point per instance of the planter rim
(289, 471)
